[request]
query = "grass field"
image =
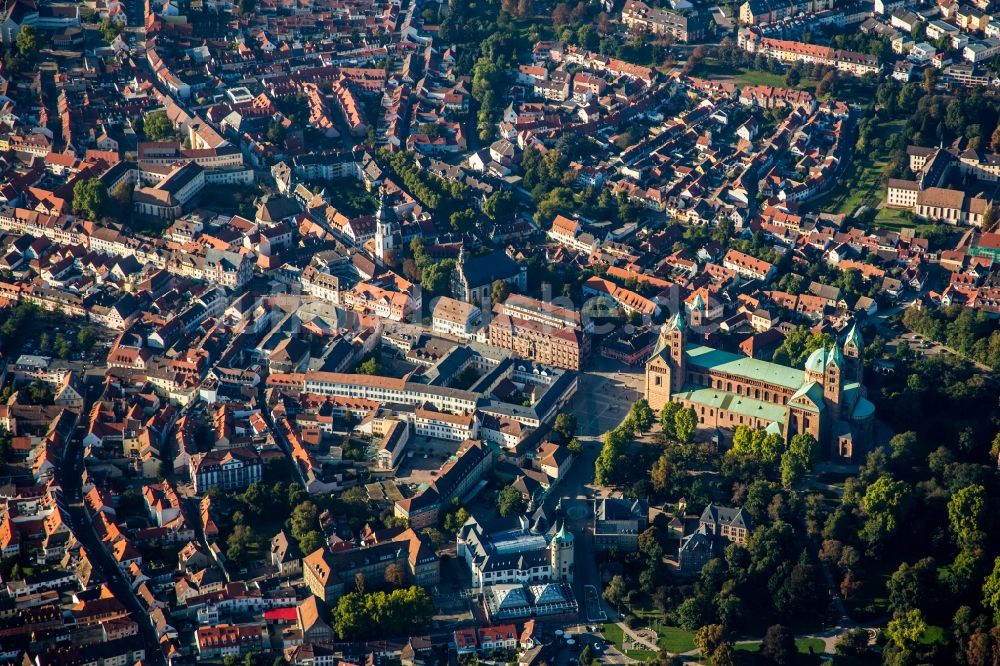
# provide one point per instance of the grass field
(933, 635)
(891, 218)
(671, 639)
(613, 634)
(674, 639)
(713, 69)
(803, 644)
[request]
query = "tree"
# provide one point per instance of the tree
(462, 220)
(435, 276)
(565, 426)
(86, 338)
(276, 132)
(757, 444)
(930, 80)
(905, 630)
(779, 645)
(28, 42)
(991, 591)
(560, 15)
(640, 416)
(246, 7)
(793, 77)
(510, 502)
(991, 217)
(158, 127)
(311, 541)
(798, 345)
(827, 85)
(853, 643)
(395, 575)
(359, 616)
(714, 644)
(685, 423)
(304, 519)
(500, 291)
(797, 461)
(110, 29)
(499, 205)
(616, 591)
(610, 464)
(369, 366)
(885, 503)
(89, 198)
(667, 416)
(910, 586)
(453, 521)
(242, 544)
(967, 516)
(995, 139)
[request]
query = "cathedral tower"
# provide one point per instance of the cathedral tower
(833, 381)
(854, 349)
(666, 367)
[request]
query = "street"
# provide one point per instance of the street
(70, 477)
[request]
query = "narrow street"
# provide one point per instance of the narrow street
(70, 477)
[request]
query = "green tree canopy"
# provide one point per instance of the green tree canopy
(90, 197)
(158, 127)
(967, 516)
(510, 502)
(28, 42)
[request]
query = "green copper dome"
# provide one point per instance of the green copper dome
(563, 536)
(817, 361)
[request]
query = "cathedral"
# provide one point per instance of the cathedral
(826, 399)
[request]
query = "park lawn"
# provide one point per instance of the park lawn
(752, 77)
(892, 218)
(675, 639)
(641, 655)
(802, 644)
(713, 69)
(933, 634)
(613, 634)
(810, 645)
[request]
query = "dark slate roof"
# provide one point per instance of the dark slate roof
(725, 515)
(484, 270)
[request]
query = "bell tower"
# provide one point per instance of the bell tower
(666, 367)
(384, 241)
(854, 348)
(561, 555)
(833, 381)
